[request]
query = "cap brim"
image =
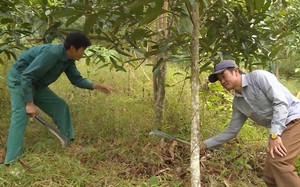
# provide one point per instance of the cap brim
(213, 77)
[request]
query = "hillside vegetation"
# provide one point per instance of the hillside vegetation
(113, 146)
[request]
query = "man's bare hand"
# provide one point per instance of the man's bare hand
(276, 146)
(31, 110)
(202, 147)
(103, 88)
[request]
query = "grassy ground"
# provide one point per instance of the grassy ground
(113, 146)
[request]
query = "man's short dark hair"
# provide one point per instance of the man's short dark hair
(77, 39)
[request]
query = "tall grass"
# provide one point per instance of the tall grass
(112, 143)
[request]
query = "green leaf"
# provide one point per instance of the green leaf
(52, 2)
(129, 40)
(26, 25)
(116, 66)
(204, 45)
(139, 34)
(8, 54)
(103, 66)
(53, 28)
(284, 3)
(212, 33)
(266, 6)
(6, 20)
(117, 24)
(64, 13)
(259, 4)
(90, 22)
(81, 6)
(250, 6)
(204, 67)
(159, 4)
(138, 6)
(120, 51)
(1, 61)
(185, 25)
(88, 61)
(153, 52)
(151, 15)
(114, 62)
(73, 19)
(275, 51)
(101, 58)
(120, 68)
(139, 51)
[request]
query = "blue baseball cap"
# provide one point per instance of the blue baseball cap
(220, 67)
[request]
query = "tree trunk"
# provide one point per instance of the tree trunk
(195, 103)
(159, 79)
(159, 95)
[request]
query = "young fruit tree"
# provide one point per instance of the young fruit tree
(195, 128)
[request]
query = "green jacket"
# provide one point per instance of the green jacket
(42, 65)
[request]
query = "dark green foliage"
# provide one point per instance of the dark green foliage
(240, 30)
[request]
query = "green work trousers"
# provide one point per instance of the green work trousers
(47, 101)
(281, 171)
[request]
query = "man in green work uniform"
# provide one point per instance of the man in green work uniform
(28, 81)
